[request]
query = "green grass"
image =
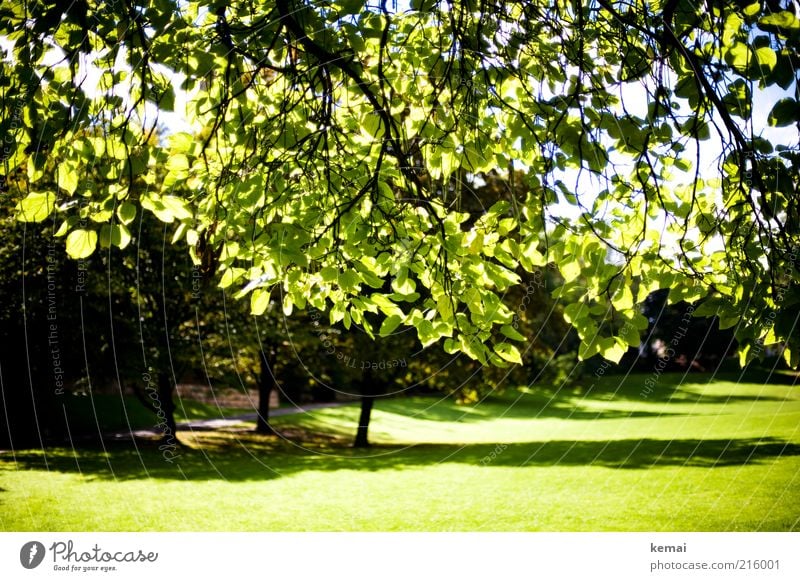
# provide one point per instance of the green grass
(694, 456)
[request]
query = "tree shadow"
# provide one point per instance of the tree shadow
(245, 456)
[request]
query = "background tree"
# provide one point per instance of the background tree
(684, 341)
(38, 326)
(105, 324)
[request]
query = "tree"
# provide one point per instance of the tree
(82, 329)
(328, 145)
(37, 318)
(681, 341)
(244, 346)
(117, 320)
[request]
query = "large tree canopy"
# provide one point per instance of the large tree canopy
(330, 147)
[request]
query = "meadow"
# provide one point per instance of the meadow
(698, 454)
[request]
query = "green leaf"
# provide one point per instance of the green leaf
(182, 141)
(623, 299)
(752, 9)
(575, 311)
(766, 58)
(329, 274)
(612, 349)
(738, 56)
(640, 322)
(512, 333)
(114, 234)
(426, 333)
(739, 99)
(728, 322)
(501, 276)
(166, 102)
(81, 243)
(288, 305)
(350, 6)
(403, 284)
(65, 226)
(570, 268)
(791, 355)
(588, 349)
(508, 352)
(36, 206)
(259, 301)
(389, 324)
(686, 88)
(745, 354)
(444, 306)
(785, 112)
(229, 276)
(385, 304)
(178, 163)
(177, 207)
(630, 334)
(696, 128)
(778, 21)
(126, 212)
(473, 348)
(529, 253)
(229, 251)
(167, 208)
(67, 179)
(349, 281)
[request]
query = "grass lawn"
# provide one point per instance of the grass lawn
(694, 456)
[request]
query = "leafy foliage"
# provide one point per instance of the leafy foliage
(328, 150)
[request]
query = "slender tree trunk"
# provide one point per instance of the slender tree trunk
(368, 391)
(265, 382)
(362, 440)
(166, 388)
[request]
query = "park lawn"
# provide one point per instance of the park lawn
(693, 456)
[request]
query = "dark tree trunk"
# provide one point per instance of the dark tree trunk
(166, 388)
(362, 440)
(266, 380)
(369, 389)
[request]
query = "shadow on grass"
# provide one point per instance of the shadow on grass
(245, 456)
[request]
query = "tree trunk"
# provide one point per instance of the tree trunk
(368, 391)
(362, 441)
(166, 387)
(265, 382)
